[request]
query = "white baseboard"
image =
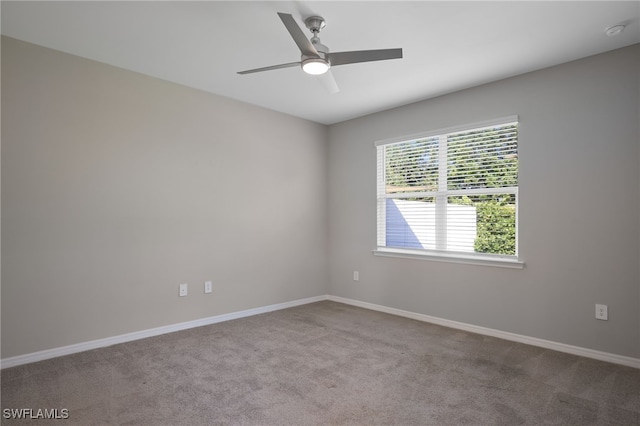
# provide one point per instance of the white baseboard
(100, 343)
(547, 344)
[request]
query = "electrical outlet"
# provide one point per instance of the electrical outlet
(182, 291)
(208, 286)
(602, 312)
(356, 275)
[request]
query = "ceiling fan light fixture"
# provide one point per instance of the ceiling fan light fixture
(315, 58)
(315, 66)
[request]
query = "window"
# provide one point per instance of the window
(451, 193)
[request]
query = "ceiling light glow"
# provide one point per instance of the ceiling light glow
(315, 66)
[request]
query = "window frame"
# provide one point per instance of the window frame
(485, 259)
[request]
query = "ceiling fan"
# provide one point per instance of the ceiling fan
(316, 58)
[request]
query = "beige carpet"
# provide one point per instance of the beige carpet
(322, 364)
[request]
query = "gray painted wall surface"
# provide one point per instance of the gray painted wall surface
(579, 208)
(117, 187)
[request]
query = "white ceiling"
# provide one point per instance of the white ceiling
(447, 46)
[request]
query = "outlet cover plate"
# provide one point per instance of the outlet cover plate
(182, 290)
(602, 312)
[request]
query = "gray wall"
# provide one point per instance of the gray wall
(579, 208)
(116, 187)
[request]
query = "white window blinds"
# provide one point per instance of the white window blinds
(451, 191)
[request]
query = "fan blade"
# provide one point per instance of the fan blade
(272, 67)
(301, 40)
(329, 82)
(344, 58)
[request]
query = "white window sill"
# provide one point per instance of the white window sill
(497, 261)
